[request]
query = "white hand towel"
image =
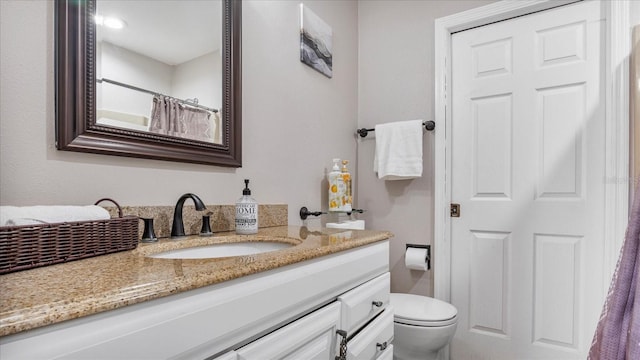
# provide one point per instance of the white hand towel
(398, 153)
(29, 215)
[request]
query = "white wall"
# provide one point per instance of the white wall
(200, 77)
(119, 64)
(396, 78)
(294, 118)
(634, 14)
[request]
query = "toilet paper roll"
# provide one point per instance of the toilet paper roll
(415, 259)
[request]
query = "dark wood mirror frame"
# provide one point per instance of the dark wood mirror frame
(75, 85)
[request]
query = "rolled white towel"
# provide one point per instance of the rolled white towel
(349, 224)
(30, 215)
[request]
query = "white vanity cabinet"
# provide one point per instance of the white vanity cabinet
(288, 312)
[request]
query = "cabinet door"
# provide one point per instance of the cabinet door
(374, 339)
(311, 337)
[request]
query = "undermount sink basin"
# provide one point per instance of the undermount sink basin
(223, 250)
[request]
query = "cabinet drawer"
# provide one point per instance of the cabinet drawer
(386, 354)
(311, 337)
(374, 340)
(361, 304)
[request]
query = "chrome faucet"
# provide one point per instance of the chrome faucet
(177, 230)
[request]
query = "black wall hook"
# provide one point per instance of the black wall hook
(304, 213)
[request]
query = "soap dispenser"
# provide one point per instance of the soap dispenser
(337, 187)
(246, 212)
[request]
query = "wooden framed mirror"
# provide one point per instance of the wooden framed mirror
(79, 79)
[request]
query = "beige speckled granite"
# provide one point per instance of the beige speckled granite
(48, 295)
(222, 217)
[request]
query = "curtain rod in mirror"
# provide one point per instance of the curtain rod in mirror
(189, 102)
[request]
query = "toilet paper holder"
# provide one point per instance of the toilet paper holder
(428, 257)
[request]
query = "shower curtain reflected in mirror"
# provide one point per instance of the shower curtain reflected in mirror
(171, 117)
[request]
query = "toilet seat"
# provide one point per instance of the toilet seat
(422, 310)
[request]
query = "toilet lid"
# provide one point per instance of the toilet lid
(422, 311)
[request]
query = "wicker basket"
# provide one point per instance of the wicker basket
(30, 246)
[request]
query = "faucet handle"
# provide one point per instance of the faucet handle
(148, 235)
(206, 226)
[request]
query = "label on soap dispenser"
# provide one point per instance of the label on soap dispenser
(337, 192)
(246, 217)
(246, 212)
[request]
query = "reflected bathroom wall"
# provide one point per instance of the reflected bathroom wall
(146, 57)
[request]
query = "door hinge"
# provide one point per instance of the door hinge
(455, 210)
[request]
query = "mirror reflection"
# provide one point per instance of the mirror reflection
(159, 67)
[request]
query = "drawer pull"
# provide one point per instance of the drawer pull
(382, 346)
(343, 345)
(377, 303)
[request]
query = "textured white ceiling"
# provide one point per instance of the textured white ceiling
(171, 31)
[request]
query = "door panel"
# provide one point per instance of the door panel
(528, 167)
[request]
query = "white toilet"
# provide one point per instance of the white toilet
(422, 326)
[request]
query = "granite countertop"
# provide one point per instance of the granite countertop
(43, 296)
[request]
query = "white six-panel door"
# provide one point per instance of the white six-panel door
(528, 144)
